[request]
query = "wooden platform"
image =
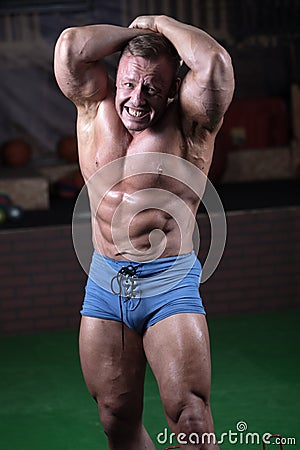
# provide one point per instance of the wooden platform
(25, 187)
(29, 187)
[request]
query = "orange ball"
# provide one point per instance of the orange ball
(67, 148)
(16, 153)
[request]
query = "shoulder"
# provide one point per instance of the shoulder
(99, 121)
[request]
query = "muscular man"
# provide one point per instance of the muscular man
(145, 135)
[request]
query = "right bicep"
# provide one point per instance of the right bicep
(79, 80)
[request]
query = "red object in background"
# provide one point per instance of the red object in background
(279, 441)
(218, 164)
(67, 148)
(78, 180)
(69, 187)
(16, 153)
(254, 123)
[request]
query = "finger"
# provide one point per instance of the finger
(143, 23)
(132, 25)
(136, 23)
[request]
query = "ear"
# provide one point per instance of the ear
(175, 87)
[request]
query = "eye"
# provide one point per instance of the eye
(128, 84)
(151, 90)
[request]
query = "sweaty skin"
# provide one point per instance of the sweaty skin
(140, 115)
(141, 122)
(151, 124)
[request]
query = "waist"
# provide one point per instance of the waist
(150, 277)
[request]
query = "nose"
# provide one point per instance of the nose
(137, 97)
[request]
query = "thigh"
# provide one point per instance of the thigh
(114, 376)
(178, 352)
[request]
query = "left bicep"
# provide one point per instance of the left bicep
(206, 94)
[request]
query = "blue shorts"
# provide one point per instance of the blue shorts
(142, 294)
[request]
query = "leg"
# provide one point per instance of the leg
(177, 349)
(115, 378)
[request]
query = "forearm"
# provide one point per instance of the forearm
(196, 48)
(93, 42)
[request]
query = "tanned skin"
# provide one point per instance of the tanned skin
(146, 109)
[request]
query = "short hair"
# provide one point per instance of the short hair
(153, 46)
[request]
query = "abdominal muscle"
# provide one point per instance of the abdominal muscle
(129, 225)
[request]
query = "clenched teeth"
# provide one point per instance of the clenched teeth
(135, 113)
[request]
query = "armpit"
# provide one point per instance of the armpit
(214, 115)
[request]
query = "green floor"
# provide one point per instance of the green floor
(44, 404)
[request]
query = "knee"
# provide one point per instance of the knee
(117, 421)
(191, 417)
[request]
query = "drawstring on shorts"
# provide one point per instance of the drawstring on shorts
(126, 288)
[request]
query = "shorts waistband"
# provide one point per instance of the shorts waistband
(150, 278)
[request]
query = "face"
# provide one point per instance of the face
(143, 89)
